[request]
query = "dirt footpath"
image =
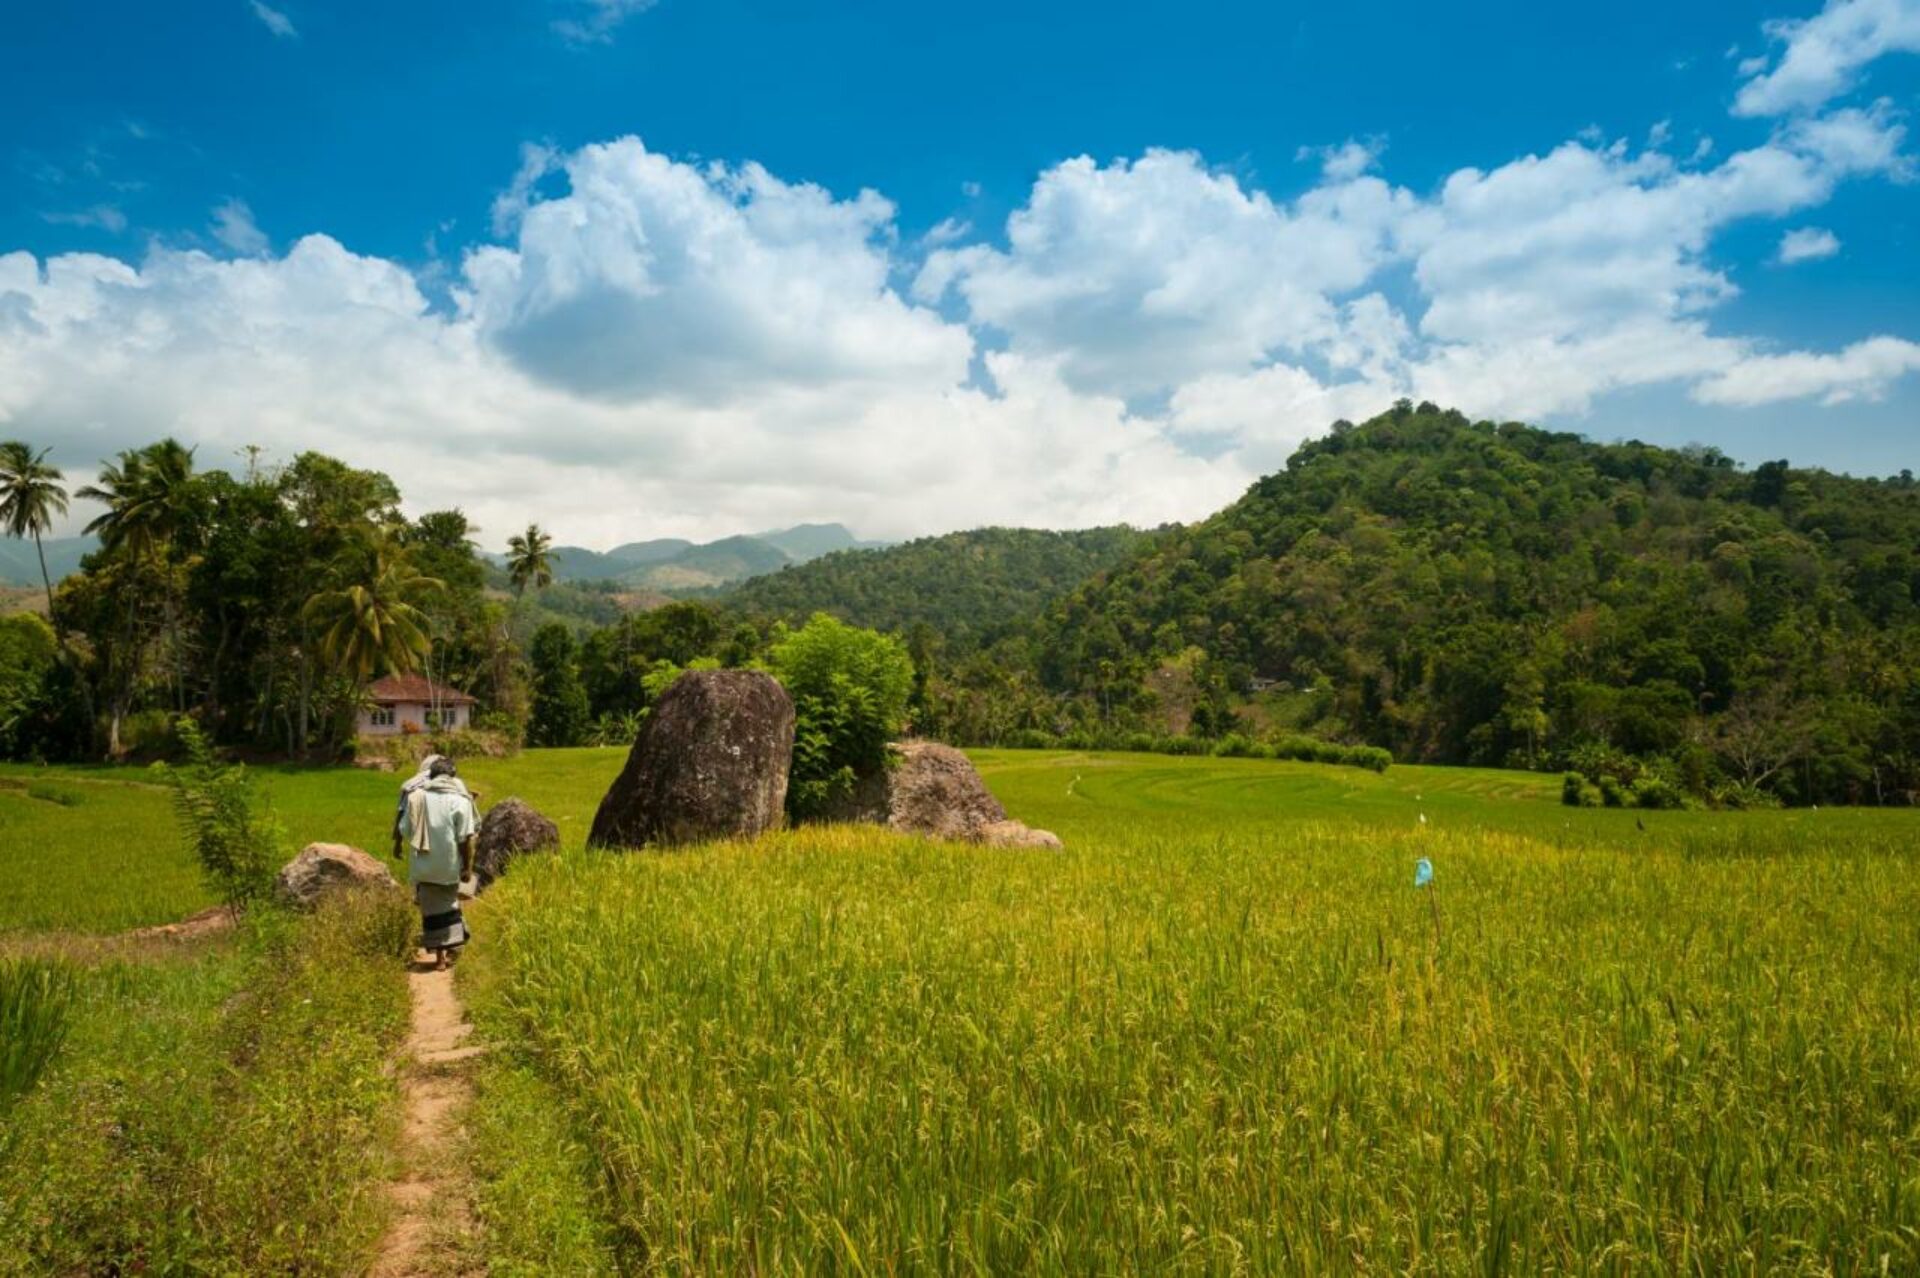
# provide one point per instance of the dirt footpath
(433, 1234)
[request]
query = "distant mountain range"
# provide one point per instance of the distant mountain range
(666, 565)
(674, 566)
(20, 566)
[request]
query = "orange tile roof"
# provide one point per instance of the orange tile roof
(398, 689)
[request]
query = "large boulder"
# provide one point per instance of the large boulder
(936, 791)
(711, 762)
(325, 868)
(511, 828)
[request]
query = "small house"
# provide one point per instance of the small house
(413, 703)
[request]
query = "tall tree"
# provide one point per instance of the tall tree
(560, 708)
(30, 498)
(530, 560)
(338, 508)
(149, 496)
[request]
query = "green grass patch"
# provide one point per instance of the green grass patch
(228, 1111)
(111, 857)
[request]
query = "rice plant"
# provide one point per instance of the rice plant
(1206, 1039)
(36, 997)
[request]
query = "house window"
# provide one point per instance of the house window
(380, 717)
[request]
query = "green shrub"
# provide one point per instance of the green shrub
(1374, 758)
(1234, 745)
(1612, 793)
(473, 743)
(1594, 760)
(850, 689)
(1578, 792)
(616, 729)
(503, 725)
(1031, 739)
(149, 736)
(403, 752)
(1745, 797)
(1657, 792)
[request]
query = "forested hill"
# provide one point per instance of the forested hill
(1468, 592)
(968, 586)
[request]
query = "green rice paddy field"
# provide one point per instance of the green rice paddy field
(1221, 1032)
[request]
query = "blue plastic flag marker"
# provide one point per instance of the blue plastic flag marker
(1423, 878)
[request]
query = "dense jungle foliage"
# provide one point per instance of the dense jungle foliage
(968, 587)
(1468, 592)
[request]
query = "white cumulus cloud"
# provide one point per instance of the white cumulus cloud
(1140, 275)
(1807, 244)
(1863, 370)
(654, 278)
(1823, 55)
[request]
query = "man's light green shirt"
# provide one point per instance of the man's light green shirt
(449, 820)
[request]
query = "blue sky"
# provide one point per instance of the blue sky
(1230, 223)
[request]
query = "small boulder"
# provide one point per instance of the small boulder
(1018, 834)
(511, 828)
(324, 868)
(711, 762)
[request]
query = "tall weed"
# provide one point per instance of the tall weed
(237, 846)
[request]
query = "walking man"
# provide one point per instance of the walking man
(437, 825)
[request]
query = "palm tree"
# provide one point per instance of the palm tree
(529, 559)
(146, 496)
(374, 623)
(30, 498)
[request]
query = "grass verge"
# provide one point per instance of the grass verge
(227, 1111)
(540, 1198)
